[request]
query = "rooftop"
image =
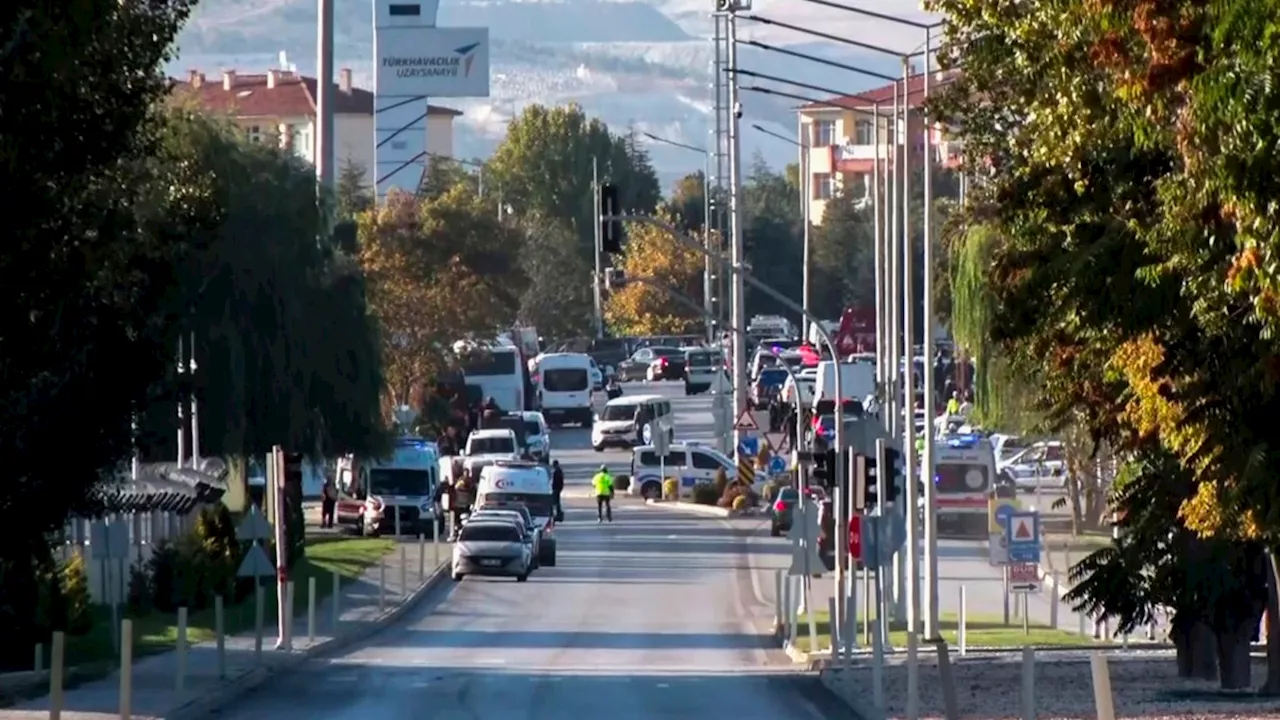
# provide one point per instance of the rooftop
(884, 94)
(277, 93)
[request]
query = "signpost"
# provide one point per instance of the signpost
(254, 529)
(998, 512)
(748, 445)
(1024, 577)
(882, 535)
(1023, 532)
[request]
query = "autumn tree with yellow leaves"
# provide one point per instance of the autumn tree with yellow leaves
(437, 270)
(640, 309)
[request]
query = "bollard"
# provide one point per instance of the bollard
(422, 556)
(219, 631)
(1053, 603)
(1103, 702)
(39, 657)
(913, 675)
(259, 621)
(1028, 684)
(396, 516)
(334, 600)
(311, 611)
(1006, 597)
(877, 667)
(435, 543)
(962, 631)
(866, 607)
(793, 610)
(55, 675)
(126, 668)
(404, 570)
(181, 654)
(836, 633)
(382, 587)
(1026, 615)
(1124, 641)
(785, 610)
(950, 703)
(777, 599)
(1083, 623)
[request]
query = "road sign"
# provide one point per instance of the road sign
(109, 540)
(998, 512)
(749, 445)
(882, 535)
(998, 548)
(1024, 577)
(256, 564)
(804, 538)
(253, 526)
(747, 421)
(661, 443)
(777, 442)
(777, 465)
(1023, 535)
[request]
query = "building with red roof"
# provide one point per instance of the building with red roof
(279, 106)
(841, 138)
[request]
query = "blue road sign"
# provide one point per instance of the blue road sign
(749, 445)
(777, 465)
(1003, 511)
(1023, 533)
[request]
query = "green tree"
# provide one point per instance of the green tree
(1122, 169)
(353, 194)
(772, 235)
(557, 299)
(843, 251)
(687, 204)
(83, 332)
(543, 167)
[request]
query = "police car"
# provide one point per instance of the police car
(689, 462)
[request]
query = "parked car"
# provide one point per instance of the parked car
(636, 367)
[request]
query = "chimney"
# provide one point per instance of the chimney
(286, 137)
(913, 69)
(344, 80)
(228, 79)
(273, 78)
(193, 78)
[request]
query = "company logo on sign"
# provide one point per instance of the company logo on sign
(456, 65)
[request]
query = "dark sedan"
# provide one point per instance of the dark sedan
(784, 508)
(637, 366)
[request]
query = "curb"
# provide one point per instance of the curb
(848, 695)
(709, 510)
(232, 689)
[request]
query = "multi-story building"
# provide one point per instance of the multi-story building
(279, 106)
(840, 139)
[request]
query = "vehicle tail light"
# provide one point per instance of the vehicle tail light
(662, 362)
(780, 505)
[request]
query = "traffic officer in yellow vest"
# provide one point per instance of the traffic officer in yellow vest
(603, 483)
(953, 405)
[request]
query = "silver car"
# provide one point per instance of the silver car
(491, 548)
(518, 515)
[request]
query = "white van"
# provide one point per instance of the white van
(527, 484)
(965, 470)
(857, 379)
(616, 425)
(564, 388)
(690, 463)
(701, 367)
(497, 370)
(489, 446)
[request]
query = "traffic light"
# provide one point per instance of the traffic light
(612, 233)
(891, 462)
(824, 469)
(863, 472)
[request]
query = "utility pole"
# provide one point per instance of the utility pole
(908, 376)
(708, 266)
(719, 281)
(195, 407)
(324, 151)
(598, 277)
(882, 326)
(897, 372)
(182, 419)
(806, 199)
(930, 401)
(737, 299)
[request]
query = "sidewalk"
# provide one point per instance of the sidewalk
(155, 677)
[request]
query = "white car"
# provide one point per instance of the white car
(537, 435)
(492, 548)
(1043, 465)
(489, 446)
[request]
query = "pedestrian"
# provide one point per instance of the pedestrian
(443, 501)
(603, 483)
(328, 503)
(490, 413)
(557, 488)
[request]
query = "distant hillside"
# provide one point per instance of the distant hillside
(240, 26)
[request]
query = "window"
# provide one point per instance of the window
(664, 352)
(650, 459)
(536, 504)
(532, 427)
(254, 133)
(613, 413)
(399, 481)
(824, 133)
(565, 380)
(491, 446)
(961, 478)
(485, 364)
(823, 186)
(1053, 453)
(864, 133)
(490, 532)
(644, 355)
(703, 461)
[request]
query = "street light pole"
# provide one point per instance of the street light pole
(908, 377)
(806, 199)
(598, 277)
(930, 409)
(737, 290)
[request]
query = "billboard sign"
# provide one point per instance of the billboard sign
(432, 62)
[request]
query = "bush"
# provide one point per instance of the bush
(215, 532)
(140, 596)
(670, 489)
(705, 494)
(740, 503)
(722, 482)
(74, 585)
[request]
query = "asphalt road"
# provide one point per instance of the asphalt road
(657, 615)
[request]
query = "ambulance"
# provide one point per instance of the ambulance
(965, 470)
(389, 495)
(505, 483)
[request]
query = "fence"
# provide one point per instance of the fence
(109, 579)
